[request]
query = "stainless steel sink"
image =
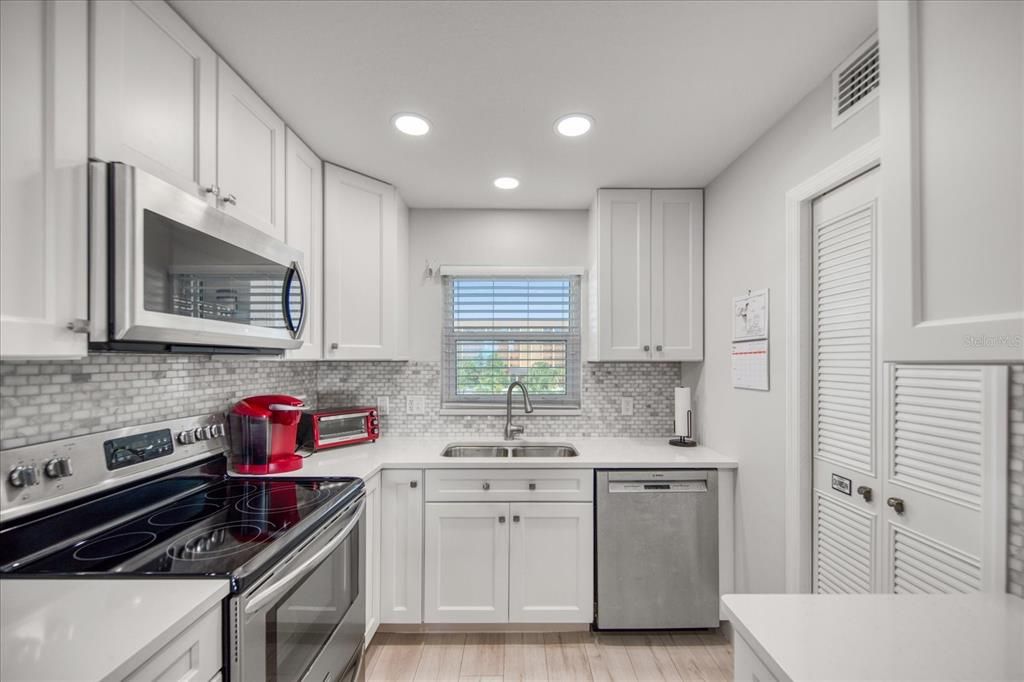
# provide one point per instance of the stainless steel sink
(544, 450)
(517, 450)
(472, 450)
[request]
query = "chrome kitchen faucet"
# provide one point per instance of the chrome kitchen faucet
(513, 430)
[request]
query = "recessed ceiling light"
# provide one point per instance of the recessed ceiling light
(411, 124)
(574, 125)
(506, 183)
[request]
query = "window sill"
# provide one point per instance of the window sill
(491, 411)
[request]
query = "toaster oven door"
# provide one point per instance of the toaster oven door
(336, 429)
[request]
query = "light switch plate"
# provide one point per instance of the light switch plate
(415, 404)
(627, 407)
(383, 405)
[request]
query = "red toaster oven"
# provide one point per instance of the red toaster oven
(331, 428)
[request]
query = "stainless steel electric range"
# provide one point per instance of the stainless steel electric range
(157, 501)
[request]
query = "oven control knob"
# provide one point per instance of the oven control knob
(216, 430)
(58, 467)
(23, 476)
(187, 437)
(201, 433)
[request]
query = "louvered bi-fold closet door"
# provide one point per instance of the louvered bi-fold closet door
(946, 463)
(845, 506)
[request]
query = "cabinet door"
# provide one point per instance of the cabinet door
(304, 229)
(360, 267)
(44, 136)
(466, 567)
(401, 546)
(677, 274)
(623, 253)
(372, 564)
(551, 563)
(951, 110)
(250, 155)
(154, 93)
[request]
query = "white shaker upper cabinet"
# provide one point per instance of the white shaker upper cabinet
(44, 137)
(952, 132)
(154, 93)
(646, 275)
(304, 229)
(250, 155)
(364, 264)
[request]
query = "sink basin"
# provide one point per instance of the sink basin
(544, 450)
(470, 450)
(517, 450)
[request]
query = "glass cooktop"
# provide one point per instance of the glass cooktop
(195, 522)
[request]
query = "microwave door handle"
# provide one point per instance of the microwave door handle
(265, 596)
(294, 272)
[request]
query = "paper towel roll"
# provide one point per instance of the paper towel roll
(682, 407)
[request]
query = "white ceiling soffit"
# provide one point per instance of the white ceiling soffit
(677, 89)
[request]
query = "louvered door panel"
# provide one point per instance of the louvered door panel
(843, 259)
(937, 431)
(923, 565)
(844, 545)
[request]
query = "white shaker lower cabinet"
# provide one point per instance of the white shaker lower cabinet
(466, 566)
(372, 565)
(401, 546)
(44, 136)
(194, 655)
(747, 667)
(365, 278)
(551, 562)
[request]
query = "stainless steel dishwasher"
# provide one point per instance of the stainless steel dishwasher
(657, 549)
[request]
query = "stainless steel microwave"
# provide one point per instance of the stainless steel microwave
(170, 272)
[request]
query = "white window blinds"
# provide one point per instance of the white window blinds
(498, 329)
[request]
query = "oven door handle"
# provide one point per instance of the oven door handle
(266, 595)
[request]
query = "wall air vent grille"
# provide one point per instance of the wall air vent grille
(855, 81)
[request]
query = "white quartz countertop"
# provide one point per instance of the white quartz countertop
(366, 459)
(883, 636)
(85, 629)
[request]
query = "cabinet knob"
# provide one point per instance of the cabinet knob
(515, 518)
(501, 519)
(334, 346)
(865, 492)
(230, 199)
(212, 189)
(658, 348)
(533, 486)
(896, 504)
(78, 326)
(487, 486)
(413, 484)
(647, 348)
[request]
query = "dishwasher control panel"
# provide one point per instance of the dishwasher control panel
(657, 486)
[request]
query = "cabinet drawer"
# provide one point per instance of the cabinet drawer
(511, 485)
(195, 654)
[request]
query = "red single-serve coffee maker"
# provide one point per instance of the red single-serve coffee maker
(261, 432)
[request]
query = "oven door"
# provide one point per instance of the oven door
(181, 271)
(336, 429)
(307, 620)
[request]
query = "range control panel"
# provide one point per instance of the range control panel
(135, 449)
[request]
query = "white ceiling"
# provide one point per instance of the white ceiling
(678, 89)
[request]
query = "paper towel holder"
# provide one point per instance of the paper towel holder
(686, 441)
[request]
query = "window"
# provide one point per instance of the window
(500, 328)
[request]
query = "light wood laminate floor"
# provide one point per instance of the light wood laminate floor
(550, 656)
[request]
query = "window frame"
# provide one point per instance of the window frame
(496, 406)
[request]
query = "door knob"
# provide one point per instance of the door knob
(896, 504)
(865, 492)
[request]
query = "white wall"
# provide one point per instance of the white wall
(481, 237)
(744, 242)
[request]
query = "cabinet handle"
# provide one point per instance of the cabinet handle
(658, 348)
(487, 486)
(212, 189)
(515, 518)
(230, 199)
(896, 504)
(413, 484)
(865, 492)
(501, 519)
(647, 348)
(78, 326)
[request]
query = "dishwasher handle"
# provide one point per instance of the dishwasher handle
(649, 487)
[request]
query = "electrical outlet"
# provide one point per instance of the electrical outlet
(383, 405)
(627, 407)
(415, 404)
